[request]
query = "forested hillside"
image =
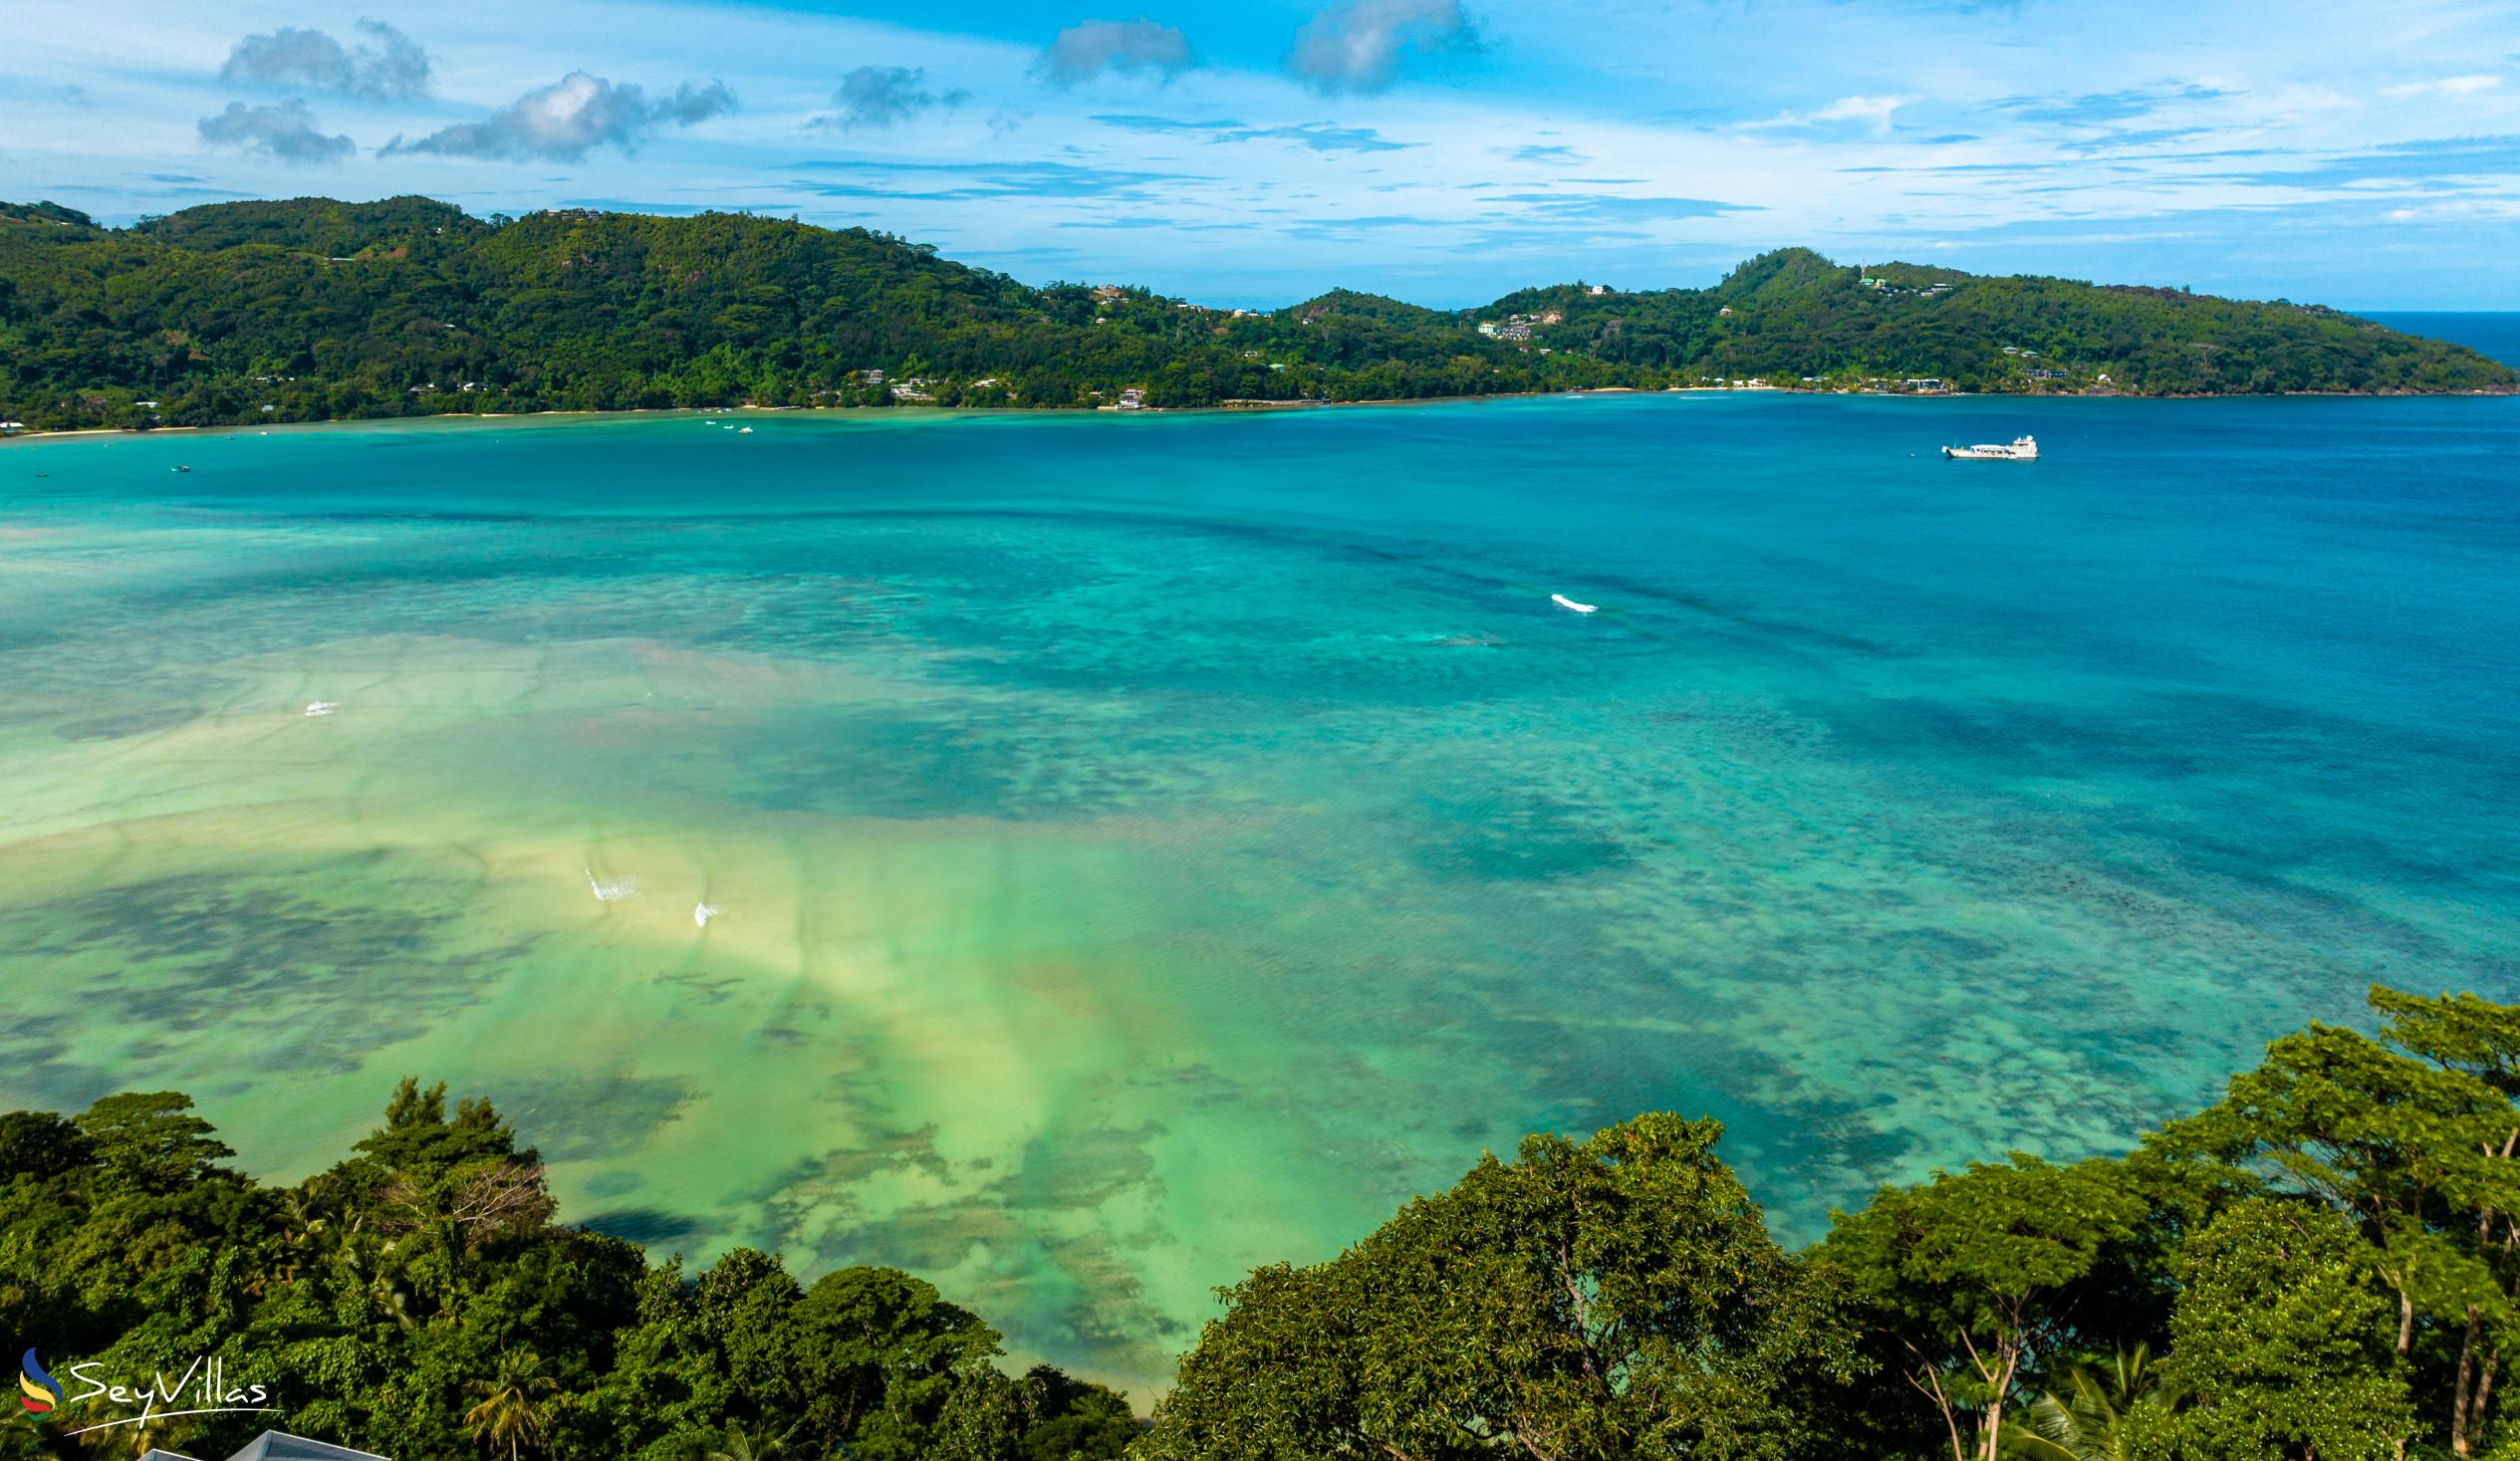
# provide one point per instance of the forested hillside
(311, 309)
(2320, 1267)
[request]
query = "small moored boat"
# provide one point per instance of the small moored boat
(1563, 601)
(2022, 449)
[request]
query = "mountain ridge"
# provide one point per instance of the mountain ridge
(312, 309)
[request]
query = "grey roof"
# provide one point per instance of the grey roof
(273, 1445)
(156, 1455)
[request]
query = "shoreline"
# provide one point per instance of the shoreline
(1243, 407)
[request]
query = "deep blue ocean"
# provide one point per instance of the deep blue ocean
(2495, 335)
(1145, 848)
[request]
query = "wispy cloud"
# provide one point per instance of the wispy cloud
(388, 67)
(887, 96)
(1138, 47)
(2448, 86)
(1359, 45)
(2101, 109)
(868, 177)
(286, 132)
(1321, 137)
(1872, 111)
(571, 117)
(1616, 207)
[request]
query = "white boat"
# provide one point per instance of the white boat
(743, 431)
(702, 914)
(2022, 449)
(1563, 601)
(323, 707)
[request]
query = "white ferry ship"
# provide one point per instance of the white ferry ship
(2023, 449)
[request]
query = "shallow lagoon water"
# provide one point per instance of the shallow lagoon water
(1148, 848)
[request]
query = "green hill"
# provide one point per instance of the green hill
(312, 309)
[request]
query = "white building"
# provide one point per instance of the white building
(274, 1445)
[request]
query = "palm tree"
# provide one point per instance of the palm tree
(2089, 1421)
(739, 1444)
(511, 1408)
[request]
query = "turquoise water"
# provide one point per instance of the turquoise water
(1147, 847)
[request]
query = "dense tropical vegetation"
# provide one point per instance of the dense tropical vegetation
(311, 309)
(2322, 1266)
(418, 1300)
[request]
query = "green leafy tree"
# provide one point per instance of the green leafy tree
(41, 1145)
(1610, 1296)
(2280, 1344)
(2415, 1145)
(1075, 1420)
(150, 1141)
(1974, 1276)
(982, 1418)
(2478, 1038)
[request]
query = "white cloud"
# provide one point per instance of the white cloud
(887, 96)
(1358, 44)
(286, 132)
(571, 117)
(1873, 112)
(393, 69)
(1138, 47)
(2448, 86)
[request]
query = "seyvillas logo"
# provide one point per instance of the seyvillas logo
(205, 1382)
(37, 1391)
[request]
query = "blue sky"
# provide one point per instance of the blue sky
(1442, 150)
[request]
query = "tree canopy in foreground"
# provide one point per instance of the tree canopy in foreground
(2320, 1267)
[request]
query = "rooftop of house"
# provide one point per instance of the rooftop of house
(274, 1445)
